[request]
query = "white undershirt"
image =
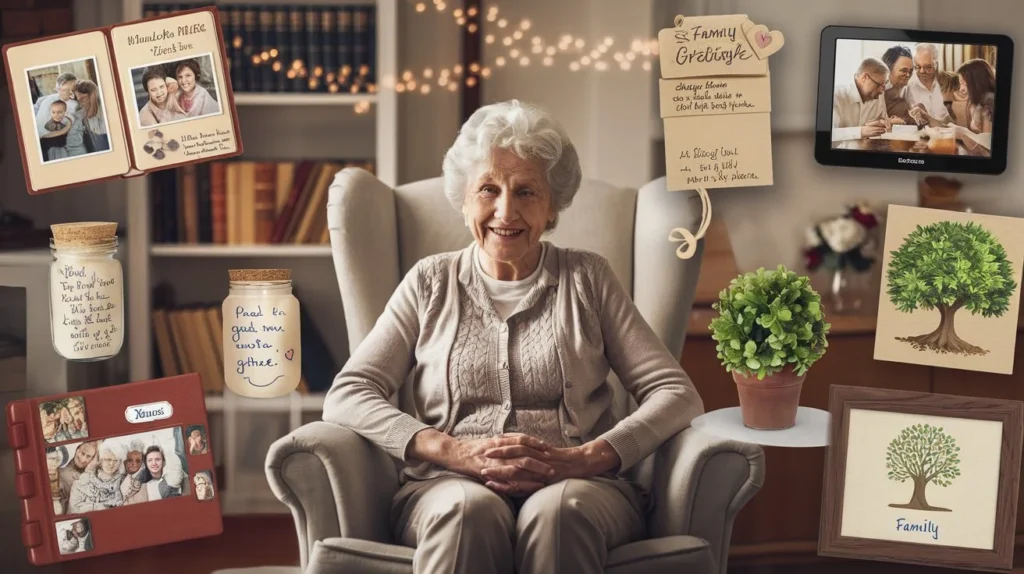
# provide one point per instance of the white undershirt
(506, 295)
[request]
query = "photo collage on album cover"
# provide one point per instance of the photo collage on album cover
(89, 475)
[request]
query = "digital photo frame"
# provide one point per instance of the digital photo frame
(913, 100)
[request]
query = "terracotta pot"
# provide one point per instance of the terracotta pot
(771, 403)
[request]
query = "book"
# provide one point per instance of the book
(245, 202)
(89, 463)
(148, 95)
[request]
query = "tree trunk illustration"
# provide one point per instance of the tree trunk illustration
(918, 500)
(944, 338)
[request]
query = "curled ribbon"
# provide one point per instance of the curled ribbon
(689, 240)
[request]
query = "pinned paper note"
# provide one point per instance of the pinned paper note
(715, 99)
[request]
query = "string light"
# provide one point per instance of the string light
(598, 54)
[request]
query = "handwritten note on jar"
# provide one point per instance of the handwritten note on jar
(262, 345)
(86, 307)
(715, 96)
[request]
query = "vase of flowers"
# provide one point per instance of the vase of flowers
(845, 247)
(769, 330)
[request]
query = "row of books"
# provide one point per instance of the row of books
(296, 48)
(188, 340)
(244, 202)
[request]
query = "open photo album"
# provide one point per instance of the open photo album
(123, 100)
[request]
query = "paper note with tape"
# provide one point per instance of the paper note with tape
(715, 100)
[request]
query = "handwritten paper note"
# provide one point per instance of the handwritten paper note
(262, 349)
(86, 300)
(715, 96)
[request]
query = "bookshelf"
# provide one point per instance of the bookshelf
(197, 272)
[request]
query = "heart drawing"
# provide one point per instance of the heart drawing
(289, 354)
(764, 42)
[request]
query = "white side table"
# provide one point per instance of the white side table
(811, 429)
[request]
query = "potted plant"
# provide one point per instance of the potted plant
(770, 330)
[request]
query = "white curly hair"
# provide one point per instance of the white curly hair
(526, 130)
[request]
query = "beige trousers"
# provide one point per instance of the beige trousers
(457, 525)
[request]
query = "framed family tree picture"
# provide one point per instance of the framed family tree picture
(921, 478)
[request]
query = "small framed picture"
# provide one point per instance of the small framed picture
(198, 443)
(203, 481)
(74, 536)
(921, 478)
(64, 420)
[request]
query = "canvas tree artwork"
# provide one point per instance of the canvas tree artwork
(950, 289)
(949, 266)
(922, 454)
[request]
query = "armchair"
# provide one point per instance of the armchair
(339, 486)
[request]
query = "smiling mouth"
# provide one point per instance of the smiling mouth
(505, 232)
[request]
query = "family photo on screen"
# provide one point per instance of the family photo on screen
(920, 98)
(67, 103)
(176, 91)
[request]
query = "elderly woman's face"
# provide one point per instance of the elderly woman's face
(109, 462)
(508, 206)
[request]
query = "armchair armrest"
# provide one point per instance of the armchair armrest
(700, 483)
(336, 483)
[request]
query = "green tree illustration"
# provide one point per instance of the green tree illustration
(949, 266)
(923, 453)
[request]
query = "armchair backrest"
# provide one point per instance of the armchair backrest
(378, 234)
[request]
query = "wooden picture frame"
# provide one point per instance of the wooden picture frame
(991, 445)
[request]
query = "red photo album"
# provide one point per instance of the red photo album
(92, 466)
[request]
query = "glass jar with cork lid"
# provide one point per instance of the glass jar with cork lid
(86, 291)
(261, 335)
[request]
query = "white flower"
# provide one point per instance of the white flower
(811, 237)
(843, 234)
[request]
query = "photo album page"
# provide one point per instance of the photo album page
(132, 98)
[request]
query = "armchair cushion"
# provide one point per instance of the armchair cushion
(655, 556)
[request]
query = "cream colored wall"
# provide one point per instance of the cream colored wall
(605, 113)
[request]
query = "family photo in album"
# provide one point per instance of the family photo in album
(67, 103)
(74, 536)
(109, 473)
(175, 91)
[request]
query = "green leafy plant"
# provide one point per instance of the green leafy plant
(923, 454)
(768, 320)
(949, 266)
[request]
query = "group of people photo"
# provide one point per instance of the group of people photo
(170, 92)
(68, 107)
(881, 84)
(64, 420)
(117, 471)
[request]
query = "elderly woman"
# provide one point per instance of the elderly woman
(193, 98)
(514, 453)
(161, 107)
(99, 487)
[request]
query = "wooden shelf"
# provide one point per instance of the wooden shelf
(25, 257)
(198, 250)
(286, 99)
(285, 404)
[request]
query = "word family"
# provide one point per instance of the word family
(926, 526)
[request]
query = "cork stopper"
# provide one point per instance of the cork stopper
(260, 274)
(83, 234)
